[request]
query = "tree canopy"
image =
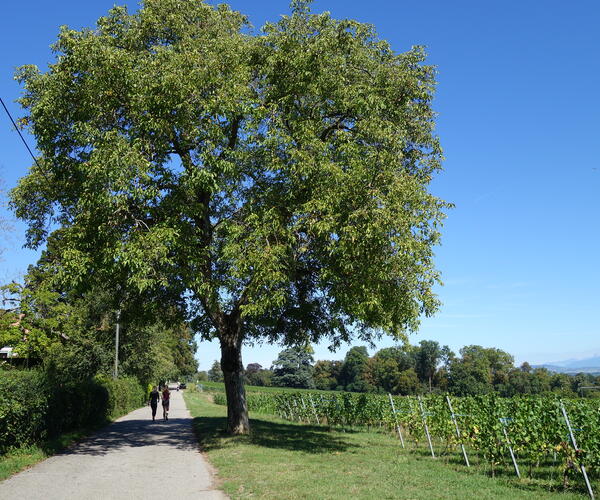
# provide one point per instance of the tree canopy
(293, 368)
(277, 181)
(71, 329)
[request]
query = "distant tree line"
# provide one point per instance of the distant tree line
(408, 370)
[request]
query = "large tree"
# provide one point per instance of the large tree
(354, 372)
(293, 368)
(215, 374)
(278, 181)
(327, 374)
(427, 358)
(479, 370)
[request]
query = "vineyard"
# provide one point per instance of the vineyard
(527, 434)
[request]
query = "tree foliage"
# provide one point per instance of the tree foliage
(72, 330)
(215, 374)
(257, 375)
(475, 371)
(277, 181)
(479, 370)
(354, 371)
(327, 374)
(428, 357)
(293, 368)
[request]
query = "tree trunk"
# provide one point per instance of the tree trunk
(233, 372)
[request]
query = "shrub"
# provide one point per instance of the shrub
(124, 394)
(23, 408)
(77, 405)
(35, 406)
(220, 399)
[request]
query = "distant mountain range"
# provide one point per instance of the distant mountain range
(573, 366)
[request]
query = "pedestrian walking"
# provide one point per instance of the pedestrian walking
(165, 402)
(153, 402)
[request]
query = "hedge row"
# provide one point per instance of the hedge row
(34, 408)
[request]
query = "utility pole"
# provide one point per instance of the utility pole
(116, 374)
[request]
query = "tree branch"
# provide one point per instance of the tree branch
(338, 125)
(202, 222)
(233, 135)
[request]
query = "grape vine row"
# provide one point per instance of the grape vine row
(533, 427)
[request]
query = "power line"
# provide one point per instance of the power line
(21, 135)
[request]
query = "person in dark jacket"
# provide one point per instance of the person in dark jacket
(154, 397)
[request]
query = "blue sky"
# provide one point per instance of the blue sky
(519, 108)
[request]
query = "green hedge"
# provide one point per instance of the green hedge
(124, 395)
(34, 408)
(24, 403)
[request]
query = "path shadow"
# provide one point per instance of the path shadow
(175, 432)
(302, 438)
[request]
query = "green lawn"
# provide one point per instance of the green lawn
(286, 460)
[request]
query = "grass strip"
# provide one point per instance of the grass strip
(26, 456)
(288, 460)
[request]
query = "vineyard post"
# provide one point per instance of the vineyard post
(290, 409)
(585, 476)
(285, 412)
(425, 426)
(512, 455)
(304, 408)
(314, 409)
(398, 430)
(282, 407)
(462, 446)
(324, 405)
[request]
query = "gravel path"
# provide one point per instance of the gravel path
(133, 458)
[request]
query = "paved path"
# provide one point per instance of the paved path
(133, 458)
